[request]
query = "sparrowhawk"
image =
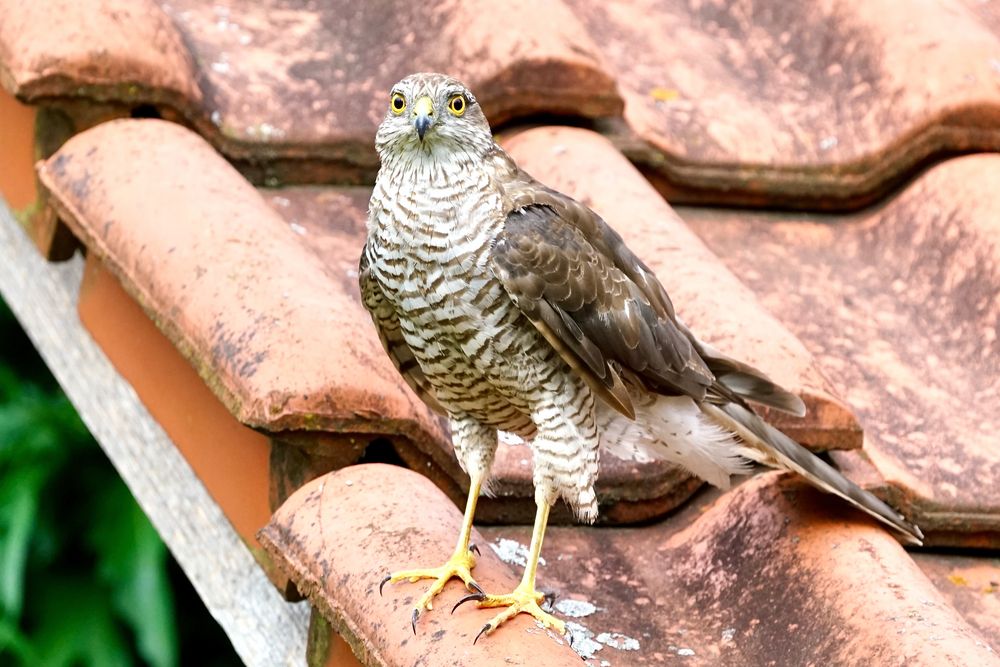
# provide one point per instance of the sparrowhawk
(509, 306)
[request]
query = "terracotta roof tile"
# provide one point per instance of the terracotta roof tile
(899, 305)
(126, 51)
(340, 534)
(711, 300)
(797, 105)
(766, 574)
(801, 104)
(771, 573)
(294, 90)
(313, 75)
(971, 585)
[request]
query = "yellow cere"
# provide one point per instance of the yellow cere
(424, 106)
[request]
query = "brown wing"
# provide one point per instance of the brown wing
(595, 301)
(387, 325)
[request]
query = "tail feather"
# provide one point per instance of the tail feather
(746, 381)
(766, 444)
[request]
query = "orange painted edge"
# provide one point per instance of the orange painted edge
(230, 459)
(17, 152)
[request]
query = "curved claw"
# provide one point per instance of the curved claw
(476, 587)
(413, 620)
(468, 598)
(474, 548)
(486, 628)
(383, 583)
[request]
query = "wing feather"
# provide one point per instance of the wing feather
(577, 293)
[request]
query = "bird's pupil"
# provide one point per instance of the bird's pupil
(397, 103)
(458, 104)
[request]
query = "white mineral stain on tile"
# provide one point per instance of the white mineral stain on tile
(575, 608)
(619, 641)
(513, 552)
(826, 143)
(582, 640)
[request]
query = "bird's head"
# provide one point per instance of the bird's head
(431, 114)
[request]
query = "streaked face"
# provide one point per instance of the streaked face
(431, 113)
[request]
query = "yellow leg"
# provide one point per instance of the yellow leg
(459, 565)
(524, 599)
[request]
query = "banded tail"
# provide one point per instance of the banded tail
(766, 444)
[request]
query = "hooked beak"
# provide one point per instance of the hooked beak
(423, 115)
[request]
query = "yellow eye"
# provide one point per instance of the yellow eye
(457, 105)
(397, 103)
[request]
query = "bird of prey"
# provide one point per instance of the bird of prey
(509, 306)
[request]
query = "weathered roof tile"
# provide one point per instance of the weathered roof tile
(971, 585)
(313, 75)
(899, 304)
(293, 91)
(766, 574)
(770, 573)
(802, 104)
(127, 51)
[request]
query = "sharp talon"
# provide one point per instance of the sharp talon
(413, 620)
(475, 549)
(471, 596)
(550, 598)
(384, 582)
(477, 588)
(486, 628)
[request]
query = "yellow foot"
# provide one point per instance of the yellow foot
(523, 600)
(459, 565)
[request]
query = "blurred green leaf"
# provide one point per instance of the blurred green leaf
(19, 498)
(84, 578)
(74, 625)
(132, 560)
(35, 423)
(14, 646)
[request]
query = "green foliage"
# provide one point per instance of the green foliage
(83, 575)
